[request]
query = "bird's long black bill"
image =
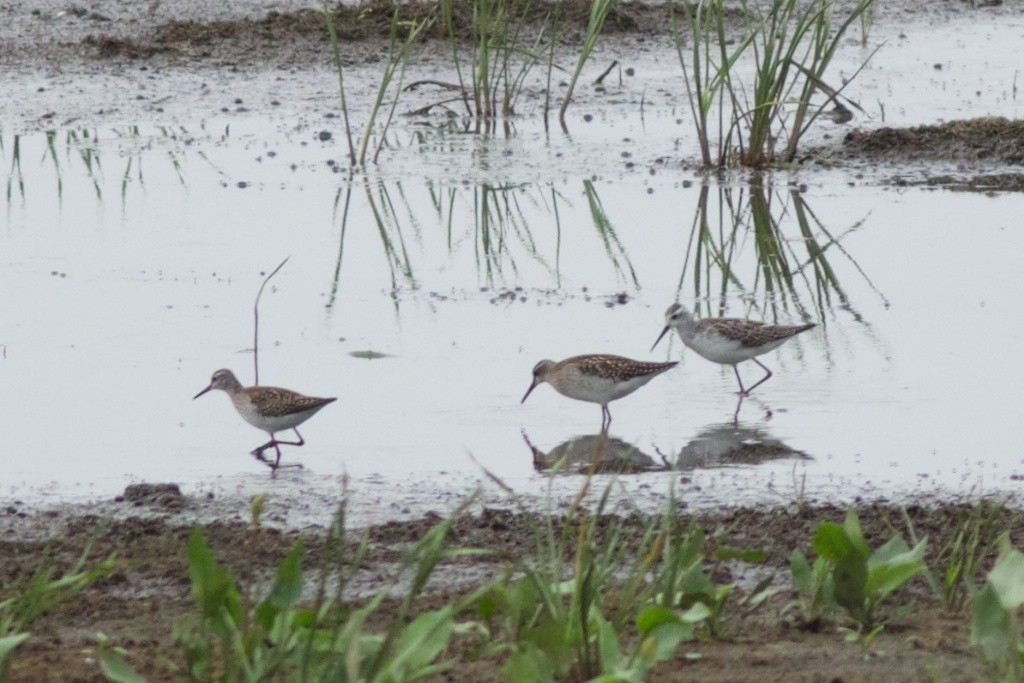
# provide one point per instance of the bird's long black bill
(202, 392)
(663, 333)
(532, 387)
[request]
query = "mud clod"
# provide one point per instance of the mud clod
(988, 140)
(156, 495)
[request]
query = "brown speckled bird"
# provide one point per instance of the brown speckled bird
(729, 341)
(268, 408)
(597, 378)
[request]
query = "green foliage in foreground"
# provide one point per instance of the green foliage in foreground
(960, 561)
(565, 613)
(277, 638)
(848, 574)
(600, 599)
(995, 624)
(35, 594)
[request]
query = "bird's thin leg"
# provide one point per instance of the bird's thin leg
(743, 392)
(277, 461)
(258, 452)
(736, 415)
(763, 379)
(300, 442)
(606, 418)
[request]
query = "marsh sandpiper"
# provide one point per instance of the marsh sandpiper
(597, 378)
(729, 341)
(270, 409)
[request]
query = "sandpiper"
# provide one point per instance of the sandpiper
(729, 341)
(597, 378)
(268, 408)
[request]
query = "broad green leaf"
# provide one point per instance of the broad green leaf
(117, 670)
(991, 625)
(830, 542)
(888, 552)
(212, 588)
(695, 583)
(550, 637)
(885, 579)
(803, 580)
(528, 663)
(303, 618)
(850, 576)
(1007, 580)
(608, 644)
(667, 637)
(490, 604)
(654, 615)
(287, 587)
(423, 640)
(266, 613)
(698, 612)
(854, 534)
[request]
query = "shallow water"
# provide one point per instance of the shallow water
(131, 258)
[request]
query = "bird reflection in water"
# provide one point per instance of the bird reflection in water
(592, 453)
(731, 443)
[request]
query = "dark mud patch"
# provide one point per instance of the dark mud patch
(108, 47)
(990, 183)
(987, 141)
(279, 31)
(137, 605)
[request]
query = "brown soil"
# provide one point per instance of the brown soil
(985, 140)
(138, 604)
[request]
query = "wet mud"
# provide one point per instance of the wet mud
(138, 604)
(972, 141)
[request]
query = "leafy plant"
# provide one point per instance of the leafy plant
(683, 580)
(34, 594)
(959, 562)
(995, 623)
(564, 613)
(279, 638)
(814, 586)
(557, 619)
(860, 578)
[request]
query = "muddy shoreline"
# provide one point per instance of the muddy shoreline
(187, 61)
(137, 604)
(111, 63)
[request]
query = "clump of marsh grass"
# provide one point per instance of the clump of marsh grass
(790, 46)
(501, 56)
(398, 59)
(599, 11)
(400, 49)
